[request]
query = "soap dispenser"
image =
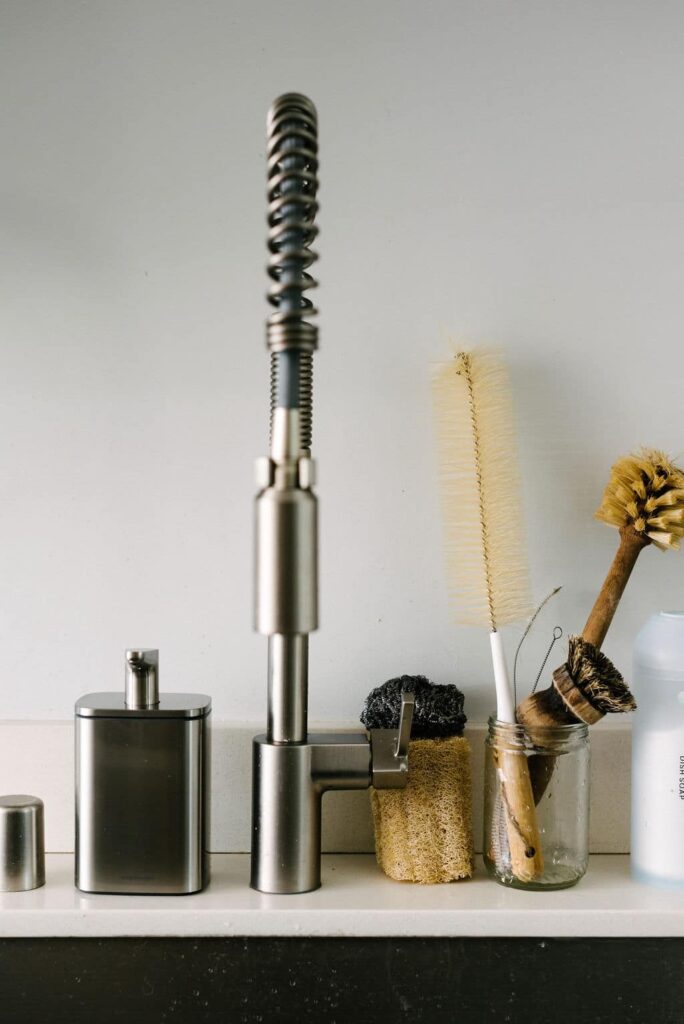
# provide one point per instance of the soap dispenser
(142, 786)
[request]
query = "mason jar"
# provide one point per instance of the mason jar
(536, 806)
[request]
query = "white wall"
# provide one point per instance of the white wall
(507, 172)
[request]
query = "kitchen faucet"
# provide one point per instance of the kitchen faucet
(293, 768)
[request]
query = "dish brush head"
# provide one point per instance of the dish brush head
(646, 492)
(584, 689)
(482, 509)
(597, 678)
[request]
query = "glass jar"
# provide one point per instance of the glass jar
(536, 807)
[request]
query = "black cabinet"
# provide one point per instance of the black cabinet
(341, 981)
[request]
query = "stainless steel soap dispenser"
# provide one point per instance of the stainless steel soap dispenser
(142, 786)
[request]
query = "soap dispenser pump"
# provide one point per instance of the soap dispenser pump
(142, 786)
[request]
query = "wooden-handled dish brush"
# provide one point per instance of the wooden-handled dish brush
(644, 499)
(486, 564)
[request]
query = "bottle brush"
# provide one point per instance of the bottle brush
(485, 554)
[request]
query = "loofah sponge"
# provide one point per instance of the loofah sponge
(438, 710)
(424, 833)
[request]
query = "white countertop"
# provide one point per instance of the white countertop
(356, 899)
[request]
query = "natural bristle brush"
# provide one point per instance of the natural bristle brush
(486, 564)
(644, 499)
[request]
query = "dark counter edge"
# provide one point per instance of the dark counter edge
(335, 981)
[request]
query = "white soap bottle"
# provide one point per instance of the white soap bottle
(658, 751)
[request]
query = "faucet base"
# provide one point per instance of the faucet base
(286, 819)
(288, 783)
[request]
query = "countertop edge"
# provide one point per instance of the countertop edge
(355, 901)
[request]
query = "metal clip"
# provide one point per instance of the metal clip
(390, 748)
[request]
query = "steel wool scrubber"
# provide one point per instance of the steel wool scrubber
(424, 833)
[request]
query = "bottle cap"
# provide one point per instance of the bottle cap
(22, 843)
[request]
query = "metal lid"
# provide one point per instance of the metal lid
(22, 843)
(171, 705)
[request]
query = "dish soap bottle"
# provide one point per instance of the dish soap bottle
(142, 786)
(658, 751)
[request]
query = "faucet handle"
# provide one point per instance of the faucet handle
(390, 747)
(408, 703)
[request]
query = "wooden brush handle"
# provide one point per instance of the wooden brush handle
(524, 840)
(598, 623)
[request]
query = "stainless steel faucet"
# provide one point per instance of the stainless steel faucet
(293, 768)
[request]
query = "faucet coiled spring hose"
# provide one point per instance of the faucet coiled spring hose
(292, 155)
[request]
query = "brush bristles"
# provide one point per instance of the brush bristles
(597, 677)
(485, 549)
(646, 491)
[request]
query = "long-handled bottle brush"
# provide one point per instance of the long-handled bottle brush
(486, 563)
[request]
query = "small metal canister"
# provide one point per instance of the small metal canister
(22, 843)
(142, 786)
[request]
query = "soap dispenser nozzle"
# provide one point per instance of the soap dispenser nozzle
(142, 678)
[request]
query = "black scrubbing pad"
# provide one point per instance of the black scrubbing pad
(438, 709)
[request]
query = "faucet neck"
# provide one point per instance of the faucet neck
(288, 684)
